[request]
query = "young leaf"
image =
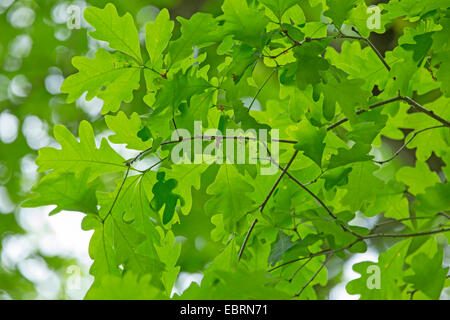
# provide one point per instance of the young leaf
(338, 10)
(200, 30)
(164, 196)
(66, 191)
(230, 191)
(111, 77)
(157, 35)
(310, 141)
(279, 7)
(244, 23)
(119, 32)
(127, 131)
(429, 276)
(77, 156)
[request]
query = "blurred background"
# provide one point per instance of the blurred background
(43, 257)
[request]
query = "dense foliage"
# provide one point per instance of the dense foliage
(306, 68)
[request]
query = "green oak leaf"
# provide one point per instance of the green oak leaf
(200, 30)
(336, 177)
(129, 287)
(359, 63)
(231, 196)
(101, 247)
(168, 253)
(357, 153)
(429, 275)
(127, 241)
(307, 70)
(348, 93)
(282, 244)
(189, 175)
(185, 85)
(411, 9)
(157, 36)
(435, 199)
(164, 196)
(77, 156)
(126, 131)
(310, 141)
(442, 54)
(279, 7)
(111, 77)
(361, 185)
(338, 10)
(243, 22)
(408, 175)
(379, 279)
(119, 32)
(66, 191)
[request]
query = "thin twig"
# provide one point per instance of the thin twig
(405, 235)
(284, 171)
(430, 113)
(263, 205)
(241, 251)
(370, 236)
(299, 268)
(411, 294)
(380, 56)
(314, 276)
(260, 89)
(176, 129)
(406, 143)
(118, 193)
(373, 106)
(343, 226)
(401, 220)
(317, 254)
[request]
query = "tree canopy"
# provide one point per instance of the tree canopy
(361, 140)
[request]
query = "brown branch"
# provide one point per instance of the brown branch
(370, 236)
(406, 219)
(408, 100)
(373, 106)
(370, 44)
(430, 113)
(405, 235)
(406, 143)
(330, 127)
